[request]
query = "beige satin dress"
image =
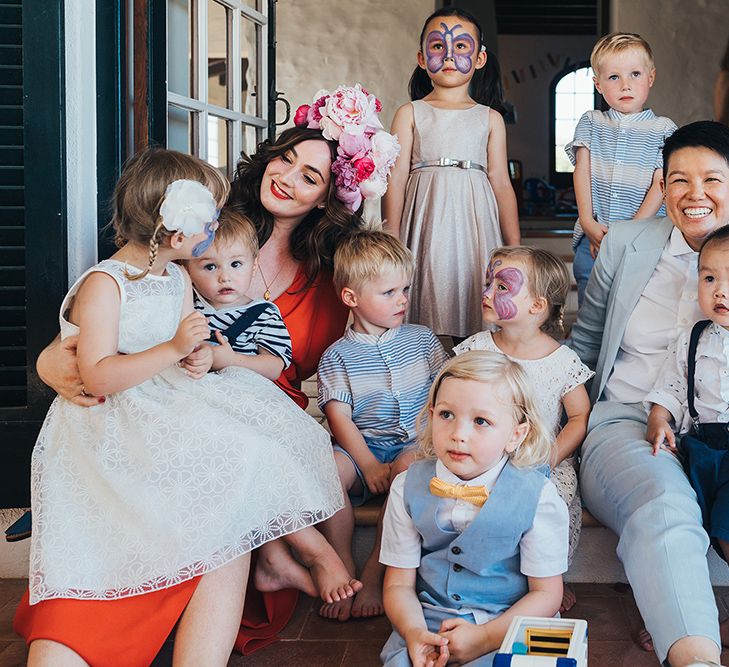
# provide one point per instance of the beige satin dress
(450, 220)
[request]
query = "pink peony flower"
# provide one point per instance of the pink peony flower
(364, 168)
(329, 128)
(316, 108)
(354, 146)
(352, 109)
(375, 186)
(301, 116)
(385, 149)
(345, 172)
(351, 198)
(378, 105)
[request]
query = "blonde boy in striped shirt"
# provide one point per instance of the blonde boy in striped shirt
(373, 382)
(617, 153)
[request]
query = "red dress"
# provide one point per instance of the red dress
(129, 632)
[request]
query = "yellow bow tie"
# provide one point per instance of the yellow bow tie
(477, 495)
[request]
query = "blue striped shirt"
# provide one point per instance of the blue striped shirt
(625, 150)
(384, 378)
(267, 332)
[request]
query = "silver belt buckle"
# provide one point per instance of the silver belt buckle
(464, 164)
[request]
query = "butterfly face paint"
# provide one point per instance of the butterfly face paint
(501, 287)
(201, 247)
(447, 44)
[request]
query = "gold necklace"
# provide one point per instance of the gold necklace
(267, 293)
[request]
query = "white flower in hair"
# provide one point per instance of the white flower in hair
(188, 206)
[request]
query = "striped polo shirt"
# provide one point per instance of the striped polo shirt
(625, 150)
(267, 331)
(384, 378)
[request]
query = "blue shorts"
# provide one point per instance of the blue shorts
(384, 455)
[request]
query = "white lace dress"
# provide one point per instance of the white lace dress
(552, 376)
(171, 478)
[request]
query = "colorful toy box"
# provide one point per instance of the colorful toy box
(544, 642)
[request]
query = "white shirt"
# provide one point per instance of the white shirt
(711, 379)
(543, 548)
(667, 305)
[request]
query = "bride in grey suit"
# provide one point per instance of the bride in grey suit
(641, 293)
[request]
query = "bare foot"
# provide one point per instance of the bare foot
(568, 599)
(337, 611)
(277, 569)
(724, 632)
(368, 602)
(331, 578)
(645, 641)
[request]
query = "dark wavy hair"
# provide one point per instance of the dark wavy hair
(317, 236)
(485, 86)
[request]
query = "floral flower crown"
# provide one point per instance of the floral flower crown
(365, 153)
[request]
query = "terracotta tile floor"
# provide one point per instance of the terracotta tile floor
(309, 641)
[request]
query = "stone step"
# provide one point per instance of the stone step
(595, 561)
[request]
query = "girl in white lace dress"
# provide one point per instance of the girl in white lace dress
(525, 294)
(179, 472)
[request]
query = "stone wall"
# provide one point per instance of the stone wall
(688, 38)
(528, 139)
(325, 43)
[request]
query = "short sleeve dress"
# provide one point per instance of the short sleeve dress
(552, 377)
(450, 219)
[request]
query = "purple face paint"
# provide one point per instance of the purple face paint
(501, 286)
(446, 45)
(201, 247)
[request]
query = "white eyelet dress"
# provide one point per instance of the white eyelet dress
(174, 477)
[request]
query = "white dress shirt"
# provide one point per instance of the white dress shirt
(711, 387)
(667, 305)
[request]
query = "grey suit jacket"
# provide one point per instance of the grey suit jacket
(627, 258)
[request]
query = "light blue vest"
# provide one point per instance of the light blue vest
(478, 568)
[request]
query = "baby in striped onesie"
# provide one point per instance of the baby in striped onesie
(248, 333)
(373, 382)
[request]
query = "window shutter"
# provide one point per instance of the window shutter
(13, 382)
(33, 265)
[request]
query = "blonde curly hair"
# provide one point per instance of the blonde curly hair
(482, 366)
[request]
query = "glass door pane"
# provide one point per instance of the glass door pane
(179, 129)
(249, 65)
(218, 143)
(179, 46)
(217, 54)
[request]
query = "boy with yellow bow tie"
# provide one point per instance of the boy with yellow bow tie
(474, 533)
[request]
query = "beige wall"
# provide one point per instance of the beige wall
(688, 38)
(324, 43)
(528, 139)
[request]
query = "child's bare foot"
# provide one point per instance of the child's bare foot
(568, 599)
(368, 602)
(338, 611)
(645, 641)
(724, 633)
(277, 569)
(331, 578)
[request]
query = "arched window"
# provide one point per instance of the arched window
(571, 94)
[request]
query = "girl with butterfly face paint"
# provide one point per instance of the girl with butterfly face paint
(524, 296)
(450, 199)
